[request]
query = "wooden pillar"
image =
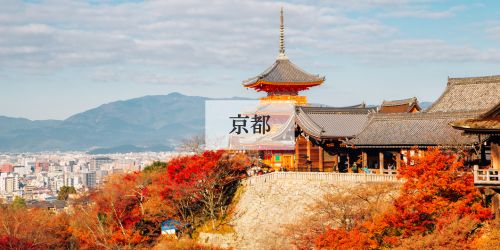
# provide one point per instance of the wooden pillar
(381, 162)
(320, 164)
(348, 163)
(495, 155)
(309, 162)
(337, 168)
(364, 160)
(398, 160)
(297, 154)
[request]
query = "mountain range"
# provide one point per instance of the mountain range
(149, 123)
(145, 123)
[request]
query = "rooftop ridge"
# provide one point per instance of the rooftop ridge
(399, 102)
(469, 93)
(473, 80)
(421, 115)
(338, 110)
(412, 129)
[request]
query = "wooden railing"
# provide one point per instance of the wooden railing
(390, 171)
(486, 177)
(326, 177)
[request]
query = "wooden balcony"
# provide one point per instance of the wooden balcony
(486, 177)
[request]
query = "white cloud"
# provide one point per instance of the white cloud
(417, 12)
(493, 31)
(199, 35)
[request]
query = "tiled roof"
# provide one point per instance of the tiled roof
(399, 106)
(468, 94)
(399, 102)
(487, 123)
(284, 72)
(326, 122)
(412, 129)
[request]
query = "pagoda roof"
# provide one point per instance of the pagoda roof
(406, 130)
(284, 72)
(399, 106)
(332, 123)
(468, 94)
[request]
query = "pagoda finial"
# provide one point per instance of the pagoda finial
(282, 37)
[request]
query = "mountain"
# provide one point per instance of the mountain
(145, 122)
(130, 148)
(425, 105)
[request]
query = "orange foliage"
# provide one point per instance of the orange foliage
(343, 239)
(128, 209)
(35, 228)
(437, 192)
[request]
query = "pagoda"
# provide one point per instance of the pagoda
(283, 80)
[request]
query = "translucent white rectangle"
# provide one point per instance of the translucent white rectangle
(249, 125)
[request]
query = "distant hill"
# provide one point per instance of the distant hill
(145, 122)
(130, 148)
(425, 105)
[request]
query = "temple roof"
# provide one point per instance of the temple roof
(487, 123)
(399, 106)
(326, 122)
(405, 130)
(468, 94)
(284, 72)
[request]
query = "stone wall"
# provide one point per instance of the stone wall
(272, 201)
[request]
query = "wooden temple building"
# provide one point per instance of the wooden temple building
(376, 139)
(320, 136)
(388, 138)
(409, 105)
(486, 125)
(487, 129)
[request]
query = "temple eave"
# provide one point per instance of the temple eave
(281, 84)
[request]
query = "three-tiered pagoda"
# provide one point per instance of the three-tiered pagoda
(283, 80)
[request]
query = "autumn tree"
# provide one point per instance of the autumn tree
(194, 144)
(343, 208)
(18, 202)
(200, 186)
(437, 191)
(33, 228)
(65, 191)
(219, 186)
(155, 167)
(117, 214)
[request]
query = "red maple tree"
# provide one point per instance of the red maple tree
(438, 190)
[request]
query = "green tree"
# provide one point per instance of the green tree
(18, 202)
(155, 166)
(64, 192)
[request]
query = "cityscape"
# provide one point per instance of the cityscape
(39, 176)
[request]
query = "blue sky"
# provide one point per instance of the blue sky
(58, 58)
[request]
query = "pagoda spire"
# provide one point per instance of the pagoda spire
(282, 37)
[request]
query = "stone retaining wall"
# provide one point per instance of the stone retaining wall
(273, 200)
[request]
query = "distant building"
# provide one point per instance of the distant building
(41, 166)
(6, 168)
(9, 182)
(97, 162)
(89, 179)
(409, 105)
